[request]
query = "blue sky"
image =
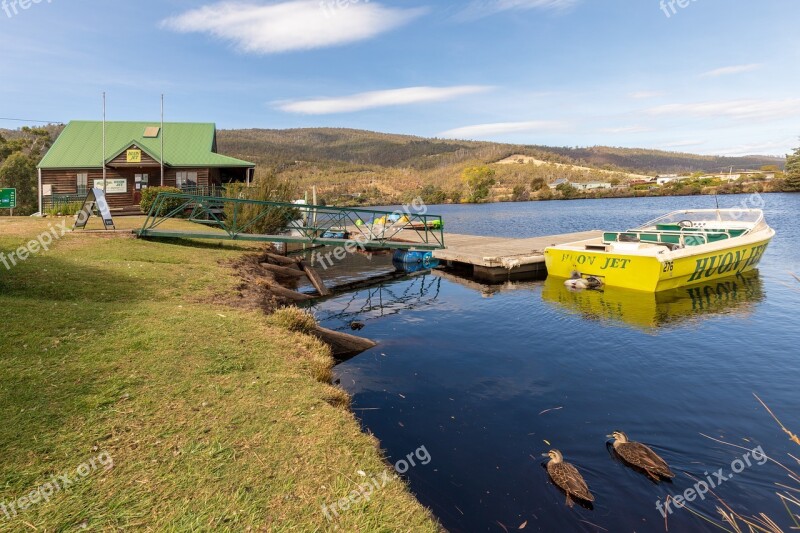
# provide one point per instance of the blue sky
(713, 76)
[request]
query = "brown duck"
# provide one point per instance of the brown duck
(567, 478)
(641, 456)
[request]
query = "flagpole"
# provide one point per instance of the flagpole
(162, 139)
(104, 143)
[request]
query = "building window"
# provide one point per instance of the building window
(186, 180)
(82, 183)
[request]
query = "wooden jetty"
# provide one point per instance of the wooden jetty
(495, 259)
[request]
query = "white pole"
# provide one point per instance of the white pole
(314, 200)
(104, 144)
(40, 191)
(162, 140)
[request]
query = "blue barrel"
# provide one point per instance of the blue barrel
(414, 260)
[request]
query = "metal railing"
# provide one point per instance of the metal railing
(217, 191)
(61, 201)
(255, 220)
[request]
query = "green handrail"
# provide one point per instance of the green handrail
(307, 224)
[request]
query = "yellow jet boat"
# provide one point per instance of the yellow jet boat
(678, 249)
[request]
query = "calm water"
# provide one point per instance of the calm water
(484, 377)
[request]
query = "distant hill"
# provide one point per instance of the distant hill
(391, 150)
(381, 168)
(366, 167)
(662, 162)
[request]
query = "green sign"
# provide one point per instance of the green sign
(8, 198)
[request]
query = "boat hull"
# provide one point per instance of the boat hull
(658, 273)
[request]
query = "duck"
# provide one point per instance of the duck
(641, 456)
(567, 478)
(576, 282)
(594, 282)
(357, 326)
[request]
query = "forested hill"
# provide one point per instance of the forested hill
(368, 168)
(286, 147)
(278, 148)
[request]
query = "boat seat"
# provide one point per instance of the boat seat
(708, 235)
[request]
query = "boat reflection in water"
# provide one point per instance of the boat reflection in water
(733, 295)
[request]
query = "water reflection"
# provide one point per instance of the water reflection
(735, 295)
(380, 301)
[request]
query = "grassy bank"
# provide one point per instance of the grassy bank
(214, 414)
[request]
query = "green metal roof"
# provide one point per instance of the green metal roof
(185, 145)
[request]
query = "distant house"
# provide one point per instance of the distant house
(663, 180)
(744, 174)
(133, 161)
(592, 186)
(559, 181)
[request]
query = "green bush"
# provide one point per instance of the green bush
(520, 194)
(149, 196)
(567, 191)
(65, 209)
(266, 188)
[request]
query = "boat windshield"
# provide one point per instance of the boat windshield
(740, 218)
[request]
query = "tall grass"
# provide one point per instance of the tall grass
(788, 492)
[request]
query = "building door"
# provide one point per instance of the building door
(141, 182)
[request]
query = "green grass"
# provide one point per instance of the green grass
(214, 414)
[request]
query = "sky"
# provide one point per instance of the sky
(701, 76)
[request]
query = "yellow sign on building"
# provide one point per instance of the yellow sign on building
(134, 156)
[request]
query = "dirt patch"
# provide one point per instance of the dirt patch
(253, 291)
(261, 287)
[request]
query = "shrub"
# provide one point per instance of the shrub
(65, 209)
(432, 195)
(567, 191)
(520, 194)
(149, 196)
(266, 188)
(538, 184)
(455, 195)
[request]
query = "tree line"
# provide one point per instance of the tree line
(19, 156)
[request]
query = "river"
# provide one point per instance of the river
(487, 378)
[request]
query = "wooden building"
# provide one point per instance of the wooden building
(134, 160)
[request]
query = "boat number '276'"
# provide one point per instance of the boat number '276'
(669, 266)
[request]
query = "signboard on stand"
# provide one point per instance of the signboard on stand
(95, 200)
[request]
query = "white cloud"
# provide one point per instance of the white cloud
(734, 109)
(644, 95)
(627, 129)
(294, 25)
(370, 100)
(482, 131)
(728, 71)
(483, 8)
